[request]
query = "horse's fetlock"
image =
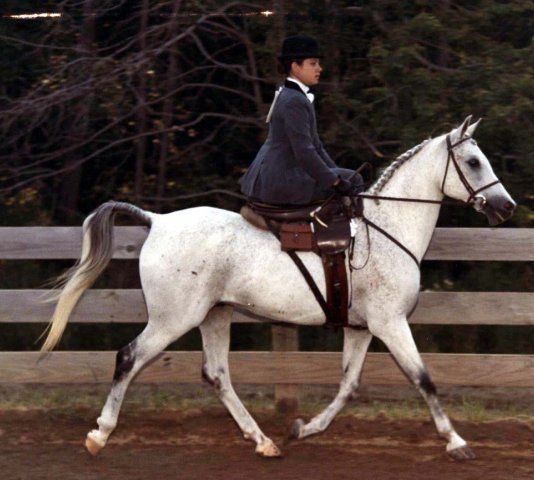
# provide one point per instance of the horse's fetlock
(106, 425)
(455, 441)
(322, 424)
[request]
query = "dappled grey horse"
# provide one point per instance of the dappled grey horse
(197, 265)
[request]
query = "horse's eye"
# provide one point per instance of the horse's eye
(473, 162)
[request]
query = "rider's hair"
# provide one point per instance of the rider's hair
(394, 166)
(284, 66)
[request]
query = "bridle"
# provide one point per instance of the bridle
(473, 194)
(475, 198)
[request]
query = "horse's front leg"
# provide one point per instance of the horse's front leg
(397, 336)
(355, 344)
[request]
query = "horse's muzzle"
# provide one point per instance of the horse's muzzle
(497, 210)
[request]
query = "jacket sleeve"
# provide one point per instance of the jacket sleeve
(297, 120)
(324, 154)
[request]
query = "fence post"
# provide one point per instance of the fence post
(285, 338)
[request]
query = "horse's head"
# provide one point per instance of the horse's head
(469, 177)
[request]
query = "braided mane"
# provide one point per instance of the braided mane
(394, 166)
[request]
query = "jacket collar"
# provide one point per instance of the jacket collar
(304, 87)
(294, 86)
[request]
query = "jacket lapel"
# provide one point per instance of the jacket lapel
(294, 86)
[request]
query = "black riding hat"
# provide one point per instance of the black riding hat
(299, 46)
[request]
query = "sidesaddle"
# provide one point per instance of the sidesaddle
(322, 228)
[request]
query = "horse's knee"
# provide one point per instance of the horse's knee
(352, 388)
(124, 361)
(213, 379)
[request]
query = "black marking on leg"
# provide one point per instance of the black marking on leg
(124, 361)
(204, 374)
(214, 382)
(426, 383)
(346, 368)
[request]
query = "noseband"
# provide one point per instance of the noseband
(473, 194)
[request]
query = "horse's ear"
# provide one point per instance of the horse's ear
(471, 129)
(458, 133)
(464, 125)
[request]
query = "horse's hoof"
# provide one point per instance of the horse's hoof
(268, 449)
(462, 453)
(92, 444)
(296, 428)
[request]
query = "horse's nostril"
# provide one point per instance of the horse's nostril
(510, 206)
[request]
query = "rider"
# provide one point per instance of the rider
(292, 167)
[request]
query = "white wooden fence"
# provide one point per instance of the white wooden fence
(285, 366)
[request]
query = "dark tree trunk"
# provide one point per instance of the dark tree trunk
(140, 147)
(168, 109)
(444, 56)
(69, 191)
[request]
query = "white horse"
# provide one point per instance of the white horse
(198, 264)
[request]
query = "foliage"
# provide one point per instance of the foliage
(100, 105)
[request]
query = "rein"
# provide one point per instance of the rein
(473, 195)
(456, 203)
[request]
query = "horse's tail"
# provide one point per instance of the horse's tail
(97, 250)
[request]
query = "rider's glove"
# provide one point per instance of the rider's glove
(346, 188)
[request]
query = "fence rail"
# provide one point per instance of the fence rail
(128, 306)
(285, 366)
(480, 244)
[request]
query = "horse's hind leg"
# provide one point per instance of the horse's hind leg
(397, 336)
(130, 360)
(355, 346)
(216, 343)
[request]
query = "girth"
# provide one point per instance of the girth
(320, 228)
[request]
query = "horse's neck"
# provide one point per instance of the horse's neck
(411, 223)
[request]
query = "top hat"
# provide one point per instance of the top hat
(299, 46)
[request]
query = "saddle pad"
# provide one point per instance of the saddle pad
(296, 236)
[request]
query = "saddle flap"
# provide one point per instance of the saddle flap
(296, 236)
(335, 238)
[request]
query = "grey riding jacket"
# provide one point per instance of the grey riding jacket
(292, 165)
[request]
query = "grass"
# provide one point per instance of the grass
(462, 404)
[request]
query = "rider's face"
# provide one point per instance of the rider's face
(308, 73)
